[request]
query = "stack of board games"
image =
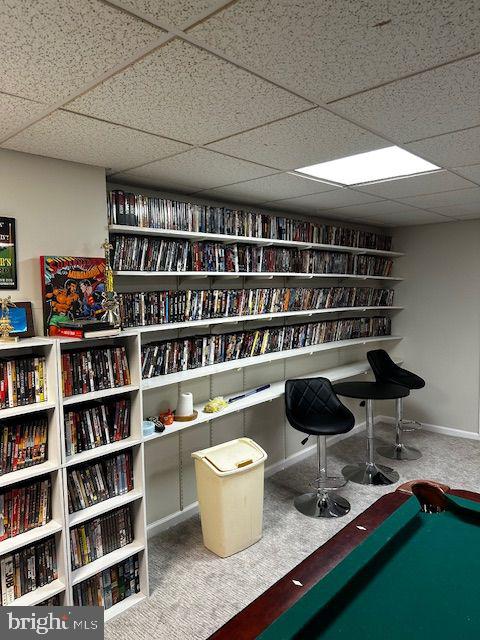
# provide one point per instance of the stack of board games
(86, 329)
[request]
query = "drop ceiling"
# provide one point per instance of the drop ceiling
(223, 100)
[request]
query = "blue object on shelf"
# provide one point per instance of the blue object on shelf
(148, 428)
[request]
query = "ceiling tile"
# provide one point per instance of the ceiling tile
(16, 112)
(407, 219)
(274, 187)
(79, 139)
(169, 187)
(376, 208)
(51, 49)
(326, 201)
(451, 149)
(416, 185)
(196, 169)
(420, 106)
(471, 172)
(188, 94)
(446, 198)
(329, 49)
(181, 13)
(306, 138)
(465, 210)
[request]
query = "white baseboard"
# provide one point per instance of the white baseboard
(172, 519)
(435, 428)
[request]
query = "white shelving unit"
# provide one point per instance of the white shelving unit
(136, 497)
(51, 467)
(264, 275)
(201, 372)
(276, 390)
(220, 237)
(263, 317)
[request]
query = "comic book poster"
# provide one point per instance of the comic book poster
(72, 289)
(8, 254)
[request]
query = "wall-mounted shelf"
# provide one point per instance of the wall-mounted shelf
(224, 238)
(276, 390)
(266, 275)
(200, 372)
(207, 322)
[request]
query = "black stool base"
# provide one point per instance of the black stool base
(399, 452)
(322, 505)
(371, 474)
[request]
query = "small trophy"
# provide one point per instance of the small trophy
(5, 325)
(110, 306)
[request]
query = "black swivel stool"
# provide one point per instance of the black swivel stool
(369, 472)
(386, 370)
(313, 408)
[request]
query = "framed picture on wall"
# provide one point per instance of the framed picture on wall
(21, 319)
(8, 254)
(72, 289)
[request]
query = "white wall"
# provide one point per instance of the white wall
(441, 323)
(60, 210)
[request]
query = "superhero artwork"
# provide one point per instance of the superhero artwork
(72, 289)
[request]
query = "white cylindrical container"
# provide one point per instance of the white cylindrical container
(185, 405)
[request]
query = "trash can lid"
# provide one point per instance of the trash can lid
(232, 456)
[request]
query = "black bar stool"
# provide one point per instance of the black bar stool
(313, 408)
(369, 472)
(386, 370)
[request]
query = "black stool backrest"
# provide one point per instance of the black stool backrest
(313, 407)
(382, 365)
(386, 370)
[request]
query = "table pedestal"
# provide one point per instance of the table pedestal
(369, 472)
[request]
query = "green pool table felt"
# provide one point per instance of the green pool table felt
(416, 576)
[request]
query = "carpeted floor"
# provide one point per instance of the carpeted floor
(193, 592)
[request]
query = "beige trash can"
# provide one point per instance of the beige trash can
(230, 494)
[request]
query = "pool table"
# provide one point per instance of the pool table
(394, 572)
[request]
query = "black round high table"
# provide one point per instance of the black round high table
(369, 472)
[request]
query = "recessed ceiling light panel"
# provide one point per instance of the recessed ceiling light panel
(381, 164)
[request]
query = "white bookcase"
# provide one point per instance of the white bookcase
(51, 467)
(135, 497)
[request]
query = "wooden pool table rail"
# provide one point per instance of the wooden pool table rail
(251, 621)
